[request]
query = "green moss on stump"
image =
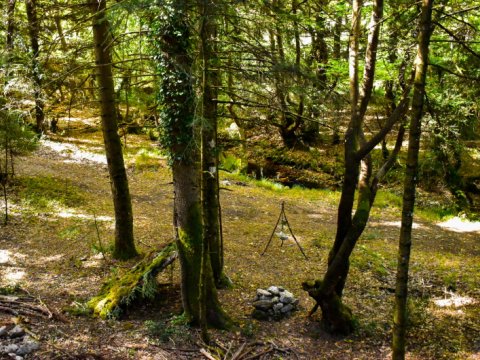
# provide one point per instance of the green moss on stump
(139, 283)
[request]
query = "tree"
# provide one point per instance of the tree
(33, 30)
(358, 174)
(172, 40)
(411, 176)
(210, 81)
(124, 241)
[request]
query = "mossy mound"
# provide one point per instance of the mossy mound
(118, 293)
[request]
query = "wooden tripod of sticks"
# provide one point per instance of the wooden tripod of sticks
(282, 219)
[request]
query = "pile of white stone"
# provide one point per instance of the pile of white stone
(274, 303)
(15, 343)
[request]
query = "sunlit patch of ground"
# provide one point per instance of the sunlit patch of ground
(460, 225)
(454, 300)
(71, 213)
(396, 224)
(73, 154)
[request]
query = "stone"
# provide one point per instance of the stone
(277, 307)
(17, 331)
(12, 348)
(286, 297)
(3, 331)
(28, 347)
(275, 299)
(273, 290)
(261, 292)
(263, 304)
(287, 308)
(259, 315)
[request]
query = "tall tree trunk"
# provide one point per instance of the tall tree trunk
(210, 183)
(199, 296)
(9, 40)
(411, 175)
(124, 241)
(33, 31)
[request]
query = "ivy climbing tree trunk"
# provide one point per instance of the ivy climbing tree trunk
(33, 31)
(210, 182)
(124, 241)
(180, 136)
(411, 175)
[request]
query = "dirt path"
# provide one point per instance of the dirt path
(50, 252)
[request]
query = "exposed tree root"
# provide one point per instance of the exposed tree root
(138, 283)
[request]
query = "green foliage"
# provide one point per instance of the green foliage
(229, 162)
(10, 289)
(15, 135)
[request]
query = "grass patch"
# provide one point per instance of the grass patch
(46, 192)
(328, 196)
(147, 159)
(368, 260)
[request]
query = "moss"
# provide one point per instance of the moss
(140, 282)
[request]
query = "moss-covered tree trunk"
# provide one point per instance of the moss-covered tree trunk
(34, 32)
(180, 137)
(124, 241)
(411, 175)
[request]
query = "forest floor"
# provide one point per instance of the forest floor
(61, 217)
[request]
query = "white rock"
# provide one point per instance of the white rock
(273, 290)
(12, 348)
(263, 292)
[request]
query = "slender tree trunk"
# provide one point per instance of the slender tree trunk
(124, 241)
(210, 188)
(33, 30)
(199, 296)
(9, 41)
(58, 25)
(10, 24)
(411, 175)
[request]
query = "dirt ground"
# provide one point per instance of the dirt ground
(49, 250)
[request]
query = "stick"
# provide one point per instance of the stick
(207, 354)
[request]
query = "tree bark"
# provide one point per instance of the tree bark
(33, 31)
(210, 181)
(124, 241)
(10, 24)
(199, 296)
(411, 175)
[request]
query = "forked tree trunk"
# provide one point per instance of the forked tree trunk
(199, 296)
(411, 175)
(337, 318)
(124, 241)
(33, 31)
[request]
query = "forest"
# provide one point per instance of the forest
(239, 180)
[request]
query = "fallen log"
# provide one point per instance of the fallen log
(118, 293)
